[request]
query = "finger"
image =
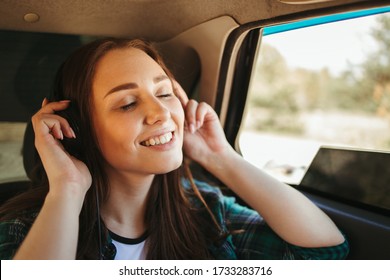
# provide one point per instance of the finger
(190, 114)
(55, 129)
(52, 107)
(44, 102)
(202, 110)
(180, 93)
(53, 124)
(64, 126)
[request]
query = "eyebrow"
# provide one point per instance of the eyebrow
(125, 86)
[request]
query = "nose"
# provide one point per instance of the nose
(156, 111)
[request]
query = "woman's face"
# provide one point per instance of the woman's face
(137, 118)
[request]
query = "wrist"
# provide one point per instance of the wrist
(66, 195)
(219, 162)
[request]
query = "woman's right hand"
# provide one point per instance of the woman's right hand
(67, 175)
(54, 233)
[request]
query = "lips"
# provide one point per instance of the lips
(158, 140)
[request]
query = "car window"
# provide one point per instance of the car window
(326, 84)
(28, 64)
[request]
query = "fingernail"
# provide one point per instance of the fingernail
(61, 135)
(198, 124)
(73, 134)
(65, 101)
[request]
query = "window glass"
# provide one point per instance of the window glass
(328, 85)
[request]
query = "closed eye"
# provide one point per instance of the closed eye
(128, 107)
(165, 95)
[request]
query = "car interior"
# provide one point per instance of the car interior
(211, 48)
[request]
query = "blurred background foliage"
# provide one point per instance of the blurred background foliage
(280, 94)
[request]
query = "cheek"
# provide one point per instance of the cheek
(121, 132)
(178, 117)
(178, 112)
(114, 136)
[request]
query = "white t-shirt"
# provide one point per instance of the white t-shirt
(128, 248)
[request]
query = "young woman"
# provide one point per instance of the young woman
(125, 195)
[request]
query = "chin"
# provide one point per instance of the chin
(170, 166)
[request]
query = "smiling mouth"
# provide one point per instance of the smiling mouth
(158, 140)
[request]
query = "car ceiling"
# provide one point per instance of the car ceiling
(155, 20)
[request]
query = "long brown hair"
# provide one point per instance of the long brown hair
(174, 226)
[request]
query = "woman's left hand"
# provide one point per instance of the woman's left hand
(203, 133)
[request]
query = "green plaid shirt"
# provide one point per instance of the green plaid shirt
(253, 238)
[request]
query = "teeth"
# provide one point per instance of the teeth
(163, 139)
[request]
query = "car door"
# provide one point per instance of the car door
(321, 81)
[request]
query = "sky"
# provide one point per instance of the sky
(332, 45)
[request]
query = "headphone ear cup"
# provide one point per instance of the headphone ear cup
(72, 145)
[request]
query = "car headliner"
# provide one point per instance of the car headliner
(155, 20)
